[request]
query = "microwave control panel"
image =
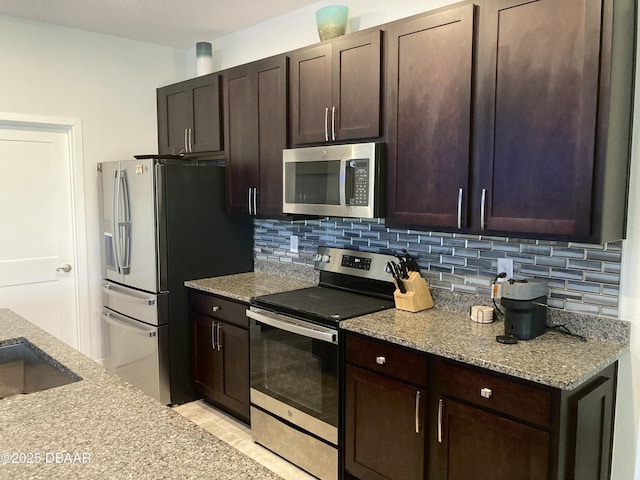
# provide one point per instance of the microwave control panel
(360, 182)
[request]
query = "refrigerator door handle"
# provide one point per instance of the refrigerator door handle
(109, 318)
(124, 224)
(142, 300)
(115, 214)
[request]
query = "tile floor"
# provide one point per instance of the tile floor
(238, 435)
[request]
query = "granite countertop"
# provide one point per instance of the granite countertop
(552, 359)
(244, 286)
(101, 427)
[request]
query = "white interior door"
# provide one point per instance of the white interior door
(38, 277)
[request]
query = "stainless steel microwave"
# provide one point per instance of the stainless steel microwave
(334, 180)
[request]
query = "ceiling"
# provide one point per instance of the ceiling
(175, 23)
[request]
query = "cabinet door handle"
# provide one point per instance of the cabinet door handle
(218, 334)
(249, 199)
(215, 308)
(326, 124)
(459, 208)
(186, 141)
(255, 201)
(381, 360)
(486, 392)
(440, 406)
(417, 411)
(333, 123)
(213, 335)
(190, 140)
(483, 202)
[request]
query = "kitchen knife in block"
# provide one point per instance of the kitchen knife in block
(417, 296)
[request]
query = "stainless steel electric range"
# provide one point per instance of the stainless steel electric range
(295, 356)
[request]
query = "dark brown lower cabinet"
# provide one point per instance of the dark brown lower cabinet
(220, 353)
(488, 446)
(385, 405)
(409, 415)
(489, 426)
(385, 427)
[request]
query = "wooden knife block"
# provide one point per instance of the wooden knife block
(417, 297)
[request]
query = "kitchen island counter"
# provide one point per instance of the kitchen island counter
(101, 427)
(553, 359)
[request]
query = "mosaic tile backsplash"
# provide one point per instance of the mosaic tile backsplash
(582, 278)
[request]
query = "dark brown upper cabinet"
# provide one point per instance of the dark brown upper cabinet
(552, 144)
(255, 99)
(429, 92)
(190, 117)
(336, 89)
(529, 137)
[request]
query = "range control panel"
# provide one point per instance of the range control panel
(353, 262)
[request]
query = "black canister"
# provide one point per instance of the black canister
(525, 308)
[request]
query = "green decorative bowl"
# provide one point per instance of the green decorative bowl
(332, 21)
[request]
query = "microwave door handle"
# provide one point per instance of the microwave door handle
(347, 176)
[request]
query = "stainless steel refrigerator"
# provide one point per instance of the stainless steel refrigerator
(163, 222)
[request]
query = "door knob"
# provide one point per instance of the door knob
(65, 268)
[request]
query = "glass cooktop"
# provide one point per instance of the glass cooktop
(322, 303)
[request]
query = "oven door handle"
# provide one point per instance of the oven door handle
(329, 336)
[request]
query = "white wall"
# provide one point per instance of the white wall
(298, 29)
(108, 83)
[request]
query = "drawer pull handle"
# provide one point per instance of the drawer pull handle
(485, 392)
(215, 309)
(381, 360)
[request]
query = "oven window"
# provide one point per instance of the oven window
(313, 182)
(297, 370)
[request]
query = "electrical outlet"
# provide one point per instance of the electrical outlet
(293, 245)
(505, 265)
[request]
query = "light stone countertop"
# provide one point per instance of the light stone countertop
(552, 359)
(110, 429)
(244, 286)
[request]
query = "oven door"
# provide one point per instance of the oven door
(294, 372)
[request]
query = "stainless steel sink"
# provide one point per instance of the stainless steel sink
(24, 368)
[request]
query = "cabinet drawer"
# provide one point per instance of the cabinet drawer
(526, 402)
(387, 359)
(219, 308)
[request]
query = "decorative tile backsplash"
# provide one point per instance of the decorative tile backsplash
(582, 278)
